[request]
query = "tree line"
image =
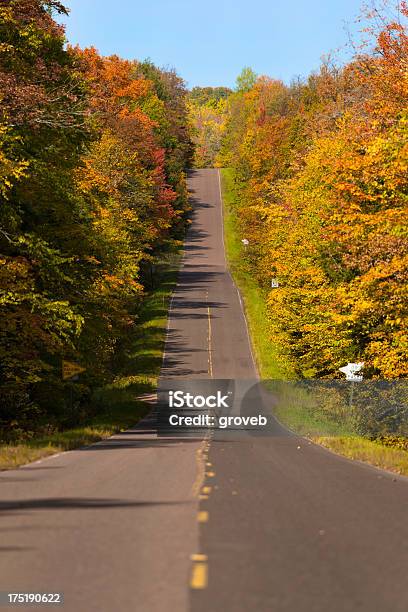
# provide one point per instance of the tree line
(321, 186)
(93, 152)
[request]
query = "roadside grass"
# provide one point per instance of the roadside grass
(270, 360)
(369, 451)
(302, 414)
(294, 409)
(118, 405)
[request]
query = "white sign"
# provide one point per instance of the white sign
(351, 371)
(274, 283)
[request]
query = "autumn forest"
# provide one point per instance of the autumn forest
(320, 173)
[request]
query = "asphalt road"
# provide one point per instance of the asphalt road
(152, 523)
(207, 335)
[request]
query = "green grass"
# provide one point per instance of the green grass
(299, 413)
(304, 414)
(118, 405)
(374, 453)
(270, 359)
(294, 409)
(118, 417)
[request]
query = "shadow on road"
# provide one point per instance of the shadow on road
(73, 503)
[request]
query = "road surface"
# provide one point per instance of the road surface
(148, 523)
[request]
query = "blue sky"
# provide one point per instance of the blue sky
(209, 42)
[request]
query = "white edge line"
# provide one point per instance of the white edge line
(232, 279)
(222, 217)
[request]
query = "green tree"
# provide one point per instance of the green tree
(245, 80)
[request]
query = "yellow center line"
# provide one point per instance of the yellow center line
(199, 572)
(199, 576)
(200, 461)
(198, 557)
(202, 516)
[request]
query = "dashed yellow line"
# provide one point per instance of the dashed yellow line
(199, 557)
(199, 575)
(200, 461)
(202, 516)
(199, 570)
